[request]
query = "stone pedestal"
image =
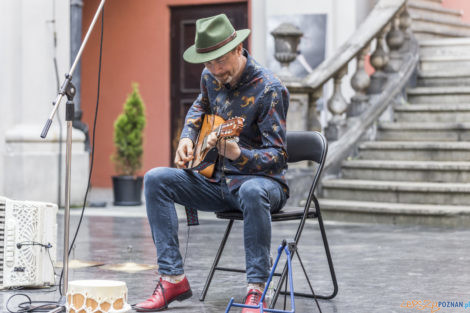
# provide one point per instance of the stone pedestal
(395, 62)
(336, 128)
(358, 105)
(302, 114)
(377, 82)
(32, 165)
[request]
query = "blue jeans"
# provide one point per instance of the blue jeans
(257, 198)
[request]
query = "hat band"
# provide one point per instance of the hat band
(217, 46)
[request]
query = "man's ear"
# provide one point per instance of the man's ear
(239, 49)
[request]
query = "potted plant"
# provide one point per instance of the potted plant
(128, 140)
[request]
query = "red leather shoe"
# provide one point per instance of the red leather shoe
(165, 293)
(252, 298)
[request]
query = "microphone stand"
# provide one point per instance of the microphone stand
(69, 90)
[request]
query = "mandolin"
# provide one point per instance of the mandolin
(204, 157)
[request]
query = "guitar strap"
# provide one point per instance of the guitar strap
(191, 216)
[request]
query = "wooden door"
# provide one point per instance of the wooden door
(185, 77)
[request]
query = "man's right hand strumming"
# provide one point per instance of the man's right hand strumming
(184, 152)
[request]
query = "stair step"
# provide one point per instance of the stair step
(432, 10)
(397, 191)
(439, 95)
(425, 32)
(443, 47)
(429, 35)
(438, 26)
(415, 150)
(392, 208)
(429, 2)
(422, 19)
(444, 63)
(417, 171)
(423, 131)
(460, 77)
(396, 213)
(459, 113)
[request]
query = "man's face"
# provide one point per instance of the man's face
(225, 67)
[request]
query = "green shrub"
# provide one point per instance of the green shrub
(128, 135)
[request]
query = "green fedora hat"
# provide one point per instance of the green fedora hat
(215, 36)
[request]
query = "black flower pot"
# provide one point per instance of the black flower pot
(127, 190)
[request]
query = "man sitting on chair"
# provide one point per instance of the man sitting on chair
(249, 173)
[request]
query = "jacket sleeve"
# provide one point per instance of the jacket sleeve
(193, 120)
(271, 157)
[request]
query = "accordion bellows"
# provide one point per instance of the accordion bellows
(28, 237)
(97, 296)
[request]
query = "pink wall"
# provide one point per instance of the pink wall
(462, 5)
(136, 48)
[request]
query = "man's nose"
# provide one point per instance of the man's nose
(218, 69)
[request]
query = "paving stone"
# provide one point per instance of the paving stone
(379, 266)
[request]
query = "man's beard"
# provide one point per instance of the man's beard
(228, 80)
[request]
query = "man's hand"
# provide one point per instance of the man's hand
(184, 152)
(227, 148)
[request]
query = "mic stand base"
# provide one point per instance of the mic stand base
(61, 307)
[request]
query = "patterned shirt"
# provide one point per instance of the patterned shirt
(262, 100)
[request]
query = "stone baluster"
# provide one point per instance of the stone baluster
(359, 82)
(337, 105)
(379, 60)
(313, 122)
(395, 39)
(405, 23)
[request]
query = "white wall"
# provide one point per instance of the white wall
(27, 79)
(10, 20)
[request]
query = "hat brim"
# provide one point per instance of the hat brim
(192, 56)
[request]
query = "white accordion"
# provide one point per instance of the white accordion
(28, 239)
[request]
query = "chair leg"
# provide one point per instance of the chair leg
(328, 254)
(216, 260)
(329, 259)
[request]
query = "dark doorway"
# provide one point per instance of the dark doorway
(185, 77)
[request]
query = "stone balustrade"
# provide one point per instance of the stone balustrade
(394, 57)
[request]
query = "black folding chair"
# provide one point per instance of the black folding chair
(301, 146)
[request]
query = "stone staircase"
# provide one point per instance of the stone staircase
(418, 168)
(431, 20)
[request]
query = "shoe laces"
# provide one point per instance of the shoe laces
(160, 285)
(256, 296)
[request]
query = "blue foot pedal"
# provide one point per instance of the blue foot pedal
(282, 247)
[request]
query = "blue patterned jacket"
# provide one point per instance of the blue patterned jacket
(262, 100)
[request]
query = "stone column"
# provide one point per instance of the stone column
(30, 163)
(360, 82)
(379, 59)
(302, 113)
(337, 105)
(395, 39)
(405, 27)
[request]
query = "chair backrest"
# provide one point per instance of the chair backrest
(306, 145)
(311, 146)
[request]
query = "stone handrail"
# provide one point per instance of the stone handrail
(377, 20)
(394, 59)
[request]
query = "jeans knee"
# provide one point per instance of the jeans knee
(252, 195)
(156, 178)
